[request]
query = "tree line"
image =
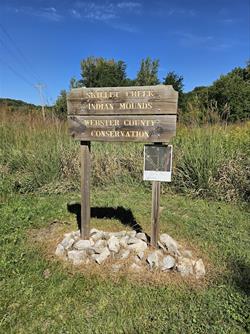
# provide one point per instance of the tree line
(227, 99)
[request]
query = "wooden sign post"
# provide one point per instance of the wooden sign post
(156, 188)
(85, 188)
(120, 114)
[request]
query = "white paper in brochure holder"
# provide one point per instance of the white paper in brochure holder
(157, 163)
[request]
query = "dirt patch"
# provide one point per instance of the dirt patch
(47, 239)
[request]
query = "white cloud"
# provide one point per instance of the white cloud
(208, 42)
(181, 12)
(110, 13)
(75, 13)
(229, 20)
(190, 39)
(50, 13)
(129, 5)
(124, 27)
(106, 11)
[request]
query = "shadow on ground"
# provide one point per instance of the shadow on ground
(125, 216)
(240, 275)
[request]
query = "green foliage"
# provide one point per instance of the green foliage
(17, 106)
(74, 83)
(100, 72)
(148, 73)
(40, 156)
(232, 91)
(204, 153)
(228, 98)
(176, 81)
(61, 105)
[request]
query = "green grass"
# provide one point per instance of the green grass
(74, 303)
(209, 162)
(39, 174)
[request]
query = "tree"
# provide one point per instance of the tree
(176, 81)
(232, 91)
(148, 73)
(100, 72)
(61, 105)
(74, 83)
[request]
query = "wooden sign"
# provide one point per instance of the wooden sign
(140, 114)
(123, 128)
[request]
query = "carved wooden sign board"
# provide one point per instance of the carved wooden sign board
(113, 114)
(139, 114)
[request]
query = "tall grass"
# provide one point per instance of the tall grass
(40, 155)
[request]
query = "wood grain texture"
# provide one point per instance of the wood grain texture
(85, 189)
(156, 187)
(137, 128)
(160, 99)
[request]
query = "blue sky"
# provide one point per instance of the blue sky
(45, 40)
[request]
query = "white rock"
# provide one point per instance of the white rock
(199, 269)
(133, 240)
(67, 242)
(99, 246)
(77, 234)
(98, 235)
(93, 231)
(140, 246)
(70, 244)
(185, 266)
(100, 258)
(135, 267)
(60, 251)
(114, 244)
(82, 244)
(161, 246)
(117, 234)
(131, 233)
(168, 262)
(140, 255)
(124, 241)
(124, 254)
(170, 244)
(153, 259)
(77, 257)
(141, 236)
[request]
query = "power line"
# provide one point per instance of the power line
(17, 73)
(25, 60)
(13, 54)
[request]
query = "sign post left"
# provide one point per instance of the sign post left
(85, 188)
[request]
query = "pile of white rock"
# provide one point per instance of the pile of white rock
(132, 248)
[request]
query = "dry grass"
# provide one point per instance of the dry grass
(47, 239)
(38, 155)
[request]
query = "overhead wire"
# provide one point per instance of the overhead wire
(21, 59)
(17, 73)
